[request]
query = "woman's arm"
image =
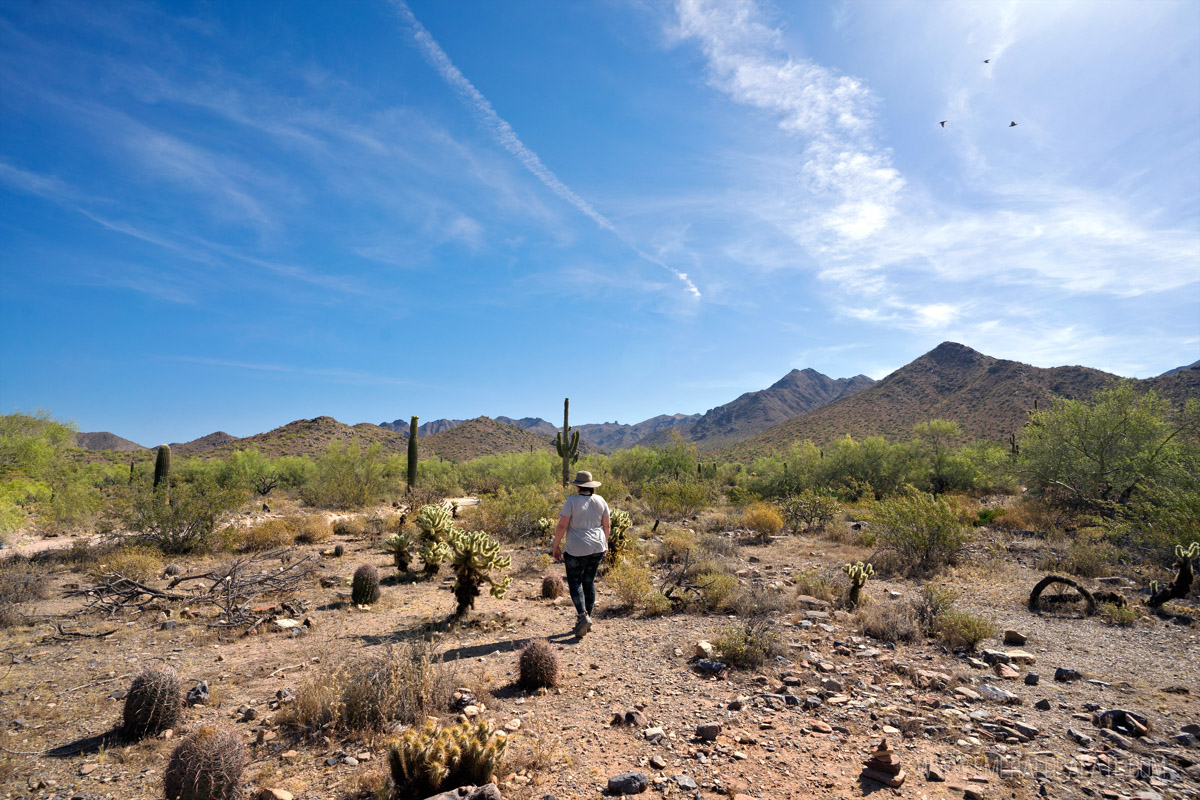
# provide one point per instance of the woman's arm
(559, 532)
(606, 524)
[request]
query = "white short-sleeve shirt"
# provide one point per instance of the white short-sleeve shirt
(585, 535)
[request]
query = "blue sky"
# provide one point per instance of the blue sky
(232, 215)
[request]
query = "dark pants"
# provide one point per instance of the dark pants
(581, 579)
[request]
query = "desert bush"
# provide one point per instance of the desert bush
(136, 563)
(809, 511)
(889, 621)
(428, 759)
(514, 513)
(154, 702)
(931, 604)
(311, 530)
(206, 765)
(764, 520)
(812, 583)
(747, 646)
(631, 582)
(676, 499)
(403, 685)
(716, 589)
(346, 476)
(675, 544)
(1121, 616)
(352, 527)
(265, 535)
(364, 588)
(988, 516)
(657, 604)
(925, 532)
(538, 666)
(957, 628)
(187, 521)
(552, 587)
(10, 615)
(718, 545)
(1087, 556)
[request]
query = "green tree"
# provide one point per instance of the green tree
(675, 459)
(347, 477)
(934, 441)
(1102, 454)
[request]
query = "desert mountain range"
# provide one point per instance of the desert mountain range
(988, 397)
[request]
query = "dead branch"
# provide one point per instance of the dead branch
(1036, 594)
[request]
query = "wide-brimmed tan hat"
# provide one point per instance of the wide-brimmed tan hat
(583, 479)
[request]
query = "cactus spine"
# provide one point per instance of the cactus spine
(412, 453)
(859, 573)
(566, 443)
(162, 467)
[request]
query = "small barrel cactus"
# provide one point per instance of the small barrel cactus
(552, 587)
(364, 589)
(207, 765)
(858, 573)
(154, 703)
(538, 665)
(397, 544)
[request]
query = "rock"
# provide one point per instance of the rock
(513, 725)
(285, 696)
(1032, 678)
(350, 761)
(709, 665)
(653, 734)
(1005, 672)
(996, 657)
(708, 731)
(685, 783)
(274, 794)
(628, 783)
(285, 624)
(1065, 675)
(658, 762)
(198, 694)
(934, 774)
(488, 791)
(995, 693)
(704, 649)
(1042, 705)
(1116, 739)
(168, 625)
(812, 702)
(972, 794)
(1080, 738)
(832, 685)
(1011, 637)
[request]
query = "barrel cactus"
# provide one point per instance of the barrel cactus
(552, 587)
(154, 702)
(474, 555)
(364, 589)
(207, 765)
(431, 758)
(538, 666)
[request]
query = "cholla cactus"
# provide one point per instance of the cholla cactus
(1182, 584)
(436, 525)
(397, 545)
(474, 555)
(544, 525)
(620, 543)
(858, 573)
(1187, 553)
(427, 759)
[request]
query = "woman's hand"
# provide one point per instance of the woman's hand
(557, 553)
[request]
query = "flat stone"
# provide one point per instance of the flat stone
(658, 762)
(628, 783)
(1012, 637)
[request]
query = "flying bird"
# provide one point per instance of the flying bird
(1012, 124)
(943, 122)
(987, 61)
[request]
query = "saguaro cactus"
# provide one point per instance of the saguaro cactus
(162, 467)
(412, 453)
(566, 443)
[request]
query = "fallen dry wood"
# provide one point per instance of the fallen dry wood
(1035, 597)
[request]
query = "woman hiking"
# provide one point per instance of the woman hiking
(584, 523)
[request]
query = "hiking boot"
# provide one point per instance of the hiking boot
(582, 626)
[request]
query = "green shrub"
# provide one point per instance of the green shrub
(514, 513)
(675, 544)
(352, 527)
(924, 531)
(265, 535)
(347, 476)
(889, 621)
(311, 530)
(812, 583)
(631, 582)
(988, 516)
(1121, 616)
(809, 511)
(657, 604)
(933, 602)
(957, 628)
(747, 646)
(187, 522)
(676, 499)
(716, 589)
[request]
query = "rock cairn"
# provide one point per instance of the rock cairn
(884, 766)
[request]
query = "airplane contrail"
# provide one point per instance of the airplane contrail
(509, 140)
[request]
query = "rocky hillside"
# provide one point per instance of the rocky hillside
(103, 440)
(989, 397)
(480, 437)
(604, 437)
(796, 393)
(310, 437)
(202, 445)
